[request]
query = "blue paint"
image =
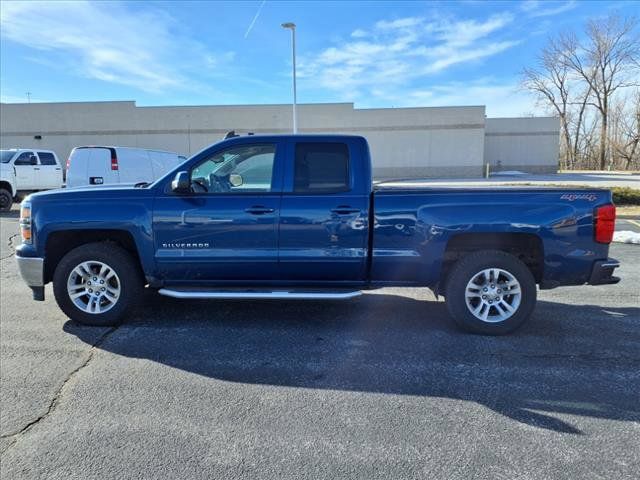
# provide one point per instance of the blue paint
(320, 238)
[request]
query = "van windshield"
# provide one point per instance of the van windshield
(6, 155)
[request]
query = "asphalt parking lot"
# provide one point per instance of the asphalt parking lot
(382, 386)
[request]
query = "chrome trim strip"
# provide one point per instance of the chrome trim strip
(275, 295)
(610, 264)
(31, 270)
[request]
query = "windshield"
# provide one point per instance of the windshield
(6, 155)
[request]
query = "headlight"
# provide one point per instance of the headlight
(25, 222)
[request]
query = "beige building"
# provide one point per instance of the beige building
(405, 142)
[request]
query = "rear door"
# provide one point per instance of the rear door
(324, 212)
(102, 169)
(25, 171)
(92, 166)
(50, 175)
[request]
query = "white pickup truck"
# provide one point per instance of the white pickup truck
(26, 170)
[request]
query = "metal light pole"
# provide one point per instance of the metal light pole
(292, 26)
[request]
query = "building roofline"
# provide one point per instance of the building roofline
(246, 105)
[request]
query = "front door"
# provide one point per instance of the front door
(25, 171)
(226, 229)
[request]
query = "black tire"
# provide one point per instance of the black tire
(129, 276)
(6, 200)
(465, 269)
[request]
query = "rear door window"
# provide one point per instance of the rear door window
(47, 158)
(321, 168)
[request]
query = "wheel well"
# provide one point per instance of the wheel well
(7, 186)
(525, 246)
(61, 243)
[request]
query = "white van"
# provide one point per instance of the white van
(108, 165)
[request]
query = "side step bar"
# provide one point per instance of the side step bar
(258, 295)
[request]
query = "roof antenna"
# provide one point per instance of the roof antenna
(231, 134)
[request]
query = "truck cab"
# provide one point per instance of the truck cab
(267, 207)
(27, 170)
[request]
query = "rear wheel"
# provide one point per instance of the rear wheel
(490, 292)
(97, 284)
(5, 200)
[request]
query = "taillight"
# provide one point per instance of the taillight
(68, 162)
(114, 160)
(605, 223)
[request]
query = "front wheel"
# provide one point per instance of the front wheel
(490, 292)
(5, 200)
(97, 284)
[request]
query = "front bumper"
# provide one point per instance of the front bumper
(32, 272)
(602, 272)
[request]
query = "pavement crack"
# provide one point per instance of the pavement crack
(11, 246)
(53, 404)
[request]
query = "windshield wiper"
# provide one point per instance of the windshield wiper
(141, 185)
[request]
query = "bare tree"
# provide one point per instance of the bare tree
(607, 62)
(577, 120)
(549, 81)
(625, 138)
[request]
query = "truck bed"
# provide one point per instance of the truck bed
(414, 226)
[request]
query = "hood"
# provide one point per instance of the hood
(111, 192)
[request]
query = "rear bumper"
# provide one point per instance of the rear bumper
(602, 272)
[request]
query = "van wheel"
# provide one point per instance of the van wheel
(490, 292)
(5, 200)
(97, 284)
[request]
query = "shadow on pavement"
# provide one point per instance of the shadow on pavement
(577, 360)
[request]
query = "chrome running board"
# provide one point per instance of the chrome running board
(258, 294)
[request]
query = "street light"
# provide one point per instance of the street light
(292, 26)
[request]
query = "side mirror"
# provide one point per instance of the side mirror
(33, 160)
(181, 183)
(236, 180)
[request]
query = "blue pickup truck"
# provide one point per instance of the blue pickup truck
(298, 216)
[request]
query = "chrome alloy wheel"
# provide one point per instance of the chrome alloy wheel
(93, 287)
(493, 295)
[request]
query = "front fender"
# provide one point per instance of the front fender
(132, 215)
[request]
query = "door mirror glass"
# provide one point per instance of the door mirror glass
(33, 160)
(235, 179)
(181, 183)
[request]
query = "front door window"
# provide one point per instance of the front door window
(245, 169)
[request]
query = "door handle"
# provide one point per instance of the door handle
(345, 210)
(259, 210)
(36, 168)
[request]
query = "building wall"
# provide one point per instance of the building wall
(524, 144)
(405, 142)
